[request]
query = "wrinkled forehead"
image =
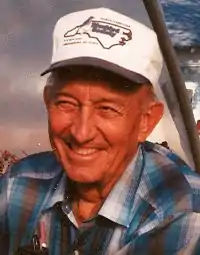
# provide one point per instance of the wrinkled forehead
(114, 81)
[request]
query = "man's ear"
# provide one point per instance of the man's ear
(149, 119)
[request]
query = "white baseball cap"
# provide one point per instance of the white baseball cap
(104, 38)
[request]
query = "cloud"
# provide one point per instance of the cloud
(24, 139)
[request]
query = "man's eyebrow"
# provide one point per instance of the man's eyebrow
(66, 94)
(110, 100)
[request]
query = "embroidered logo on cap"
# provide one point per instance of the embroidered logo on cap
(105, 32)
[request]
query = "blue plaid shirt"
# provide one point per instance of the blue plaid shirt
(153, 208)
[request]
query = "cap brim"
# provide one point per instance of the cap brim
(135, 77)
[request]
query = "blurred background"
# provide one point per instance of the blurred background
(25, 51)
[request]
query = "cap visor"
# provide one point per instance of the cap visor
(98, 63)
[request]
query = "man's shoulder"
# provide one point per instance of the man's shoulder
(30, 185)
(168, 180)
(163, 159)
(42, 165)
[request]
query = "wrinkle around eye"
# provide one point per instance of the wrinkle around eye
(66, 105)
(108, 108)
(109, 112)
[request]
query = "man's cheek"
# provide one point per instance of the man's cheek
(60, 128)
(55, 127)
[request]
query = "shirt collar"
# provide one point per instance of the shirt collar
(118, 206)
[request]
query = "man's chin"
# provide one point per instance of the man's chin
(82, 176)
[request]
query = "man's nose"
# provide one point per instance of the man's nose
(83, 128)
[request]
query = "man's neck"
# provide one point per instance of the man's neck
(89, 199)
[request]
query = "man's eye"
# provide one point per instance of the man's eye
(63, 104)
(108, 108)
(108, 111)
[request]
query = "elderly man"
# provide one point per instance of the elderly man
(103, 189)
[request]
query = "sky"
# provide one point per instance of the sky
(26, 28)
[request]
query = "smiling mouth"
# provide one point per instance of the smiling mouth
(82, 151)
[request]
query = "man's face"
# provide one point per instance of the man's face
(96, 129)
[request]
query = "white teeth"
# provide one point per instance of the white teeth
(84, 152)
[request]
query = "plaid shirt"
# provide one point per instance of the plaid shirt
(153, 208)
